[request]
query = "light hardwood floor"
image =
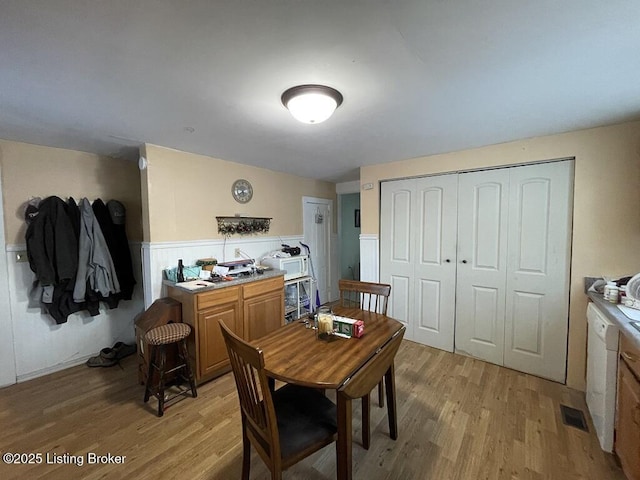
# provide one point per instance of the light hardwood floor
(459, 418)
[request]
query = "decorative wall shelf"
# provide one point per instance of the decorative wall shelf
(243, 225)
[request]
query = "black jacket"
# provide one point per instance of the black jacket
(52, 247)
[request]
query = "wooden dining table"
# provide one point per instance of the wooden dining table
(294, 354)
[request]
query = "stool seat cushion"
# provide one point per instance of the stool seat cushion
(169, 333)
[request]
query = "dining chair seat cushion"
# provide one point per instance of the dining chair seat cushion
(305, 416)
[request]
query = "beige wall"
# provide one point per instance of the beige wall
(35, 171)
(184, 192)
(606, 219)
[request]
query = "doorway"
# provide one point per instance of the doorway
(7, 355)
(317, 221)
(349, 235)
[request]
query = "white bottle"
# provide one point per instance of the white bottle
(608, 289)
(614, 294)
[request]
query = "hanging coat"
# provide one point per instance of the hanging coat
(95, 265)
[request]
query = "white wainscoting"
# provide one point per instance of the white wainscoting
(158, 256)
(369, 258)
(41, 346)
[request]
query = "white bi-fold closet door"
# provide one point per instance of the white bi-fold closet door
(479, 263)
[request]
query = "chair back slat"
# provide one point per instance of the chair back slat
(247, 363)
(370, 296)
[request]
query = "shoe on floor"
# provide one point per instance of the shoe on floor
(106, 358)
(123, 350)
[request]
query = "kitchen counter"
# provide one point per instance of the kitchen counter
(615, 315)
(241, 280)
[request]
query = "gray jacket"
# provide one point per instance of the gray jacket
(94, 260)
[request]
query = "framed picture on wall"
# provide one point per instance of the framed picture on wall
(357, 218)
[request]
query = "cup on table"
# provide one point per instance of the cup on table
(324, 321)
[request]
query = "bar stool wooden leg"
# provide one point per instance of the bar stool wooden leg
(147, 387)
(162, 366)
(187, 366)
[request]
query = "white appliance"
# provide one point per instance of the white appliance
(602, 367)
(295, 267)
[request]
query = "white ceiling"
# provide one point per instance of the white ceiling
(418, 76)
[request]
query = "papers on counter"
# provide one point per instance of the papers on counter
(193, 284)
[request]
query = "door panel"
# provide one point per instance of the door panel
(537, 308)
(396, 249)
(526, 331)
(398, 307)
(435, 265)
(482, 255)
(401, 226)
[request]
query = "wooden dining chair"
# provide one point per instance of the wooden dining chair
(361, 384)
(284, 425)
(373, 297)
(370, 296)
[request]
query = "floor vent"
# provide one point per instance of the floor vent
(573, 418)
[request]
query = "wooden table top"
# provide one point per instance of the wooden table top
(293, 354)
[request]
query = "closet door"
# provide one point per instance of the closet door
(537, 305)
(435, 260)
(482, 264)
(418, 256)
(397, 249)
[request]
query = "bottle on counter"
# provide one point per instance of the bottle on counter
(180, 275)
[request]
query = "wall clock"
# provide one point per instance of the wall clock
(242, 190)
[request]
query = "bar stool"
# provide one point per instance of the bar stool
(158, 338)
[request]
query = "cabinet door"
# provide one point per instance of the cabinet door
(263, 314)
(627, 444)
(213, 352)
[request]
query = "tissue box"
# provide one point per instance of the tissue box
(348, 326)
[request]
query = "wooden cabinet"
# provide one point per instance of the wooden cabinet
(627, 439)
(214, 306)
(250, 310)
(263, 307)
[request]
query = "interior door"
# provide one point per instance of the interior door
(418, 256)
(537, 306)
(397, 249)
(482, 264)
(317, 235)
(435, 260)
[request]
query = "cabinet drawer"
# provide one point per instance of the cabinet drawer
(258, 288)
(217, 297)
(630, 354)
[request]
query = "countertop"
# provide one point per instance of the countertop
(223, 284)
(614, 314)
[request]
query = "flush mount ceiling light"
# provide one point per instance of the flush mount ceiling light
(311, 103)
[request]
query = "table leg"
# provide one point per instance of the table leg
(390, 384)
(343, 445)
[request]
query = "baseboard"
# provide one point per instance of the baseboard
(55, 368)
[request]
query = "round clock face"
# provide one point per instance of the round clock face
(242, 190)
